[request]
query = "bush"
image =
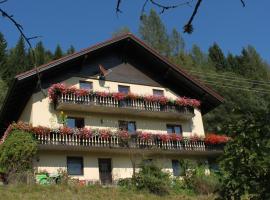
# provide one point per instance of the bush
(16, 155)
(153, 179)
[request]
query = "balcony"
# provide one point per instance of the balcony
(135, 144)
(110, 105)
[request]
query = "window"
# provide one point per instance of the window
(123, 89)
(177, 129)
(86, 85)
(176, 167)
(127, 126)
(73, 122)
(158, 92)
(75, 165)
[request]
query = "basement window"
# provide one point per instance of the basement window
(74, 122)
(75, 165)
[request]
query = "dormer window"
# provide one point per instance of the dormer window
(123, 89)
(158, 92)
(86, 85)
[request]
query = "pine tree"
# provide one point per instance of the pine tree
(177, 43)
(3, 52)
(58, 52)
(71, 50)
(217, 57)
(40, 54)
(17, 62)
(153, 31)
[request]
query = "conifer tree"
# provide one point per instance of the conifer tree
(40, 54)
(58, 52)
(217, 57)
(3, 52)
(153, 31)
(71, 50)
(177, 43)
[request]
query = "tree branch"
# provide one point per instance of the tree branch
(164, 7)
(118, 10)
(243, 3)
(19, 27)
(188, 28)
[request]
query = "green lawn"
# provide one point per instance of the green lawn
(59, 192)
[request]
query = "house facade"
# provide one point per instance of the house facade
(110, 108)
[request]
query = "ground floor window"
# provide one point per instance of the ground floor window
(75, 165)
(176, 167)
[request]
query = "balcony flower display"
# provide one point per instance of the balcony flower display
(104, 133)
(212, 138)
(144, 136)
(40, 130)
(176, 137)
(85, 132)
(65, 130)
(164, 137)
(123, 135)
(56, 90)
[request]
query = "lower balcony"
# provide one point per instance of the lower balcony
(134, 144)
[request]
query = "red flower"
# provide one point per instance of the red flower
(195, 138)
(56, 90)
(164, 137)
(66, 130)
(151, 98)
(144, 136)
(119, 96)
(124, 135)
(104, 134)
(176, 137)
(132, 96)
(85, 132)
(163, 100)
(103, 94)
(216, 139)
(81, 92)
(41, 130)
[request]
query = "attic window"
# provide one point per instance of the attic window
(86, 85)
(123, 89)
(158, 92)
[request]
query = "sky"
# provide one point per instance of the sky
(83, 23)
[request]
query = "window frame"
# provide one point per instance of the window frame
(75, 122)
(173, 128)
(80, 158)
(158, 90)
(88, 82)
(175, 172)
(127, 123)
(124, 86)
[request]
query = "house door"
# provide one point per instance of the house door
(105, 170)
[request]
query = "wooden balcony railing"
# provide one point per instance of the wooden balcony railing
(116, 142)
(110, 102)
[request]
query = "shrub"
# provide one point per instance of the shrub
(17, 152)
(153, 179)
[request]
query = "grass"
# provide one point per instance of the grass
(61, 192)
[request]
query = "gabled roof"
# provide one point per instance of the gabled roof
(25, 83)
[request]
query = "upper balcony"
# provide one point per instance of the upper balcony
(118, 103)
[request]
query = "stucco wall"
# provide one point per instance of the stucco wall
(39, 111)
(51, 161)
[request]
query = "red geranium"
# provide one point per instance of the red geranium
(41, 130)
(124, 135)
(132, 96)
(164, 137)
(216, 139)
(81, 92)
(85, 132)
(163, 100)
(103, 94)
(104, 133)
(144, 136)
(119, 96)
(65, 130)
(56, 90)
(176, 137)
(151, 98)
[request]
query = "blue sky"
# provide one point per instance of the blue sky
(83, 23)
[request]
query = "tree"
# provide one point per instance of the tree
(246, 161)
(70, 50)
(177, 43)
(17, 61)
(40, 54)
(216, 56)
(121, 31)
(153, 31)
(58, 53)
(3, 51)
(17, 152)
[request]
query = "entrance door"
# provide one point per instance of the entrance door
(105, 170)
